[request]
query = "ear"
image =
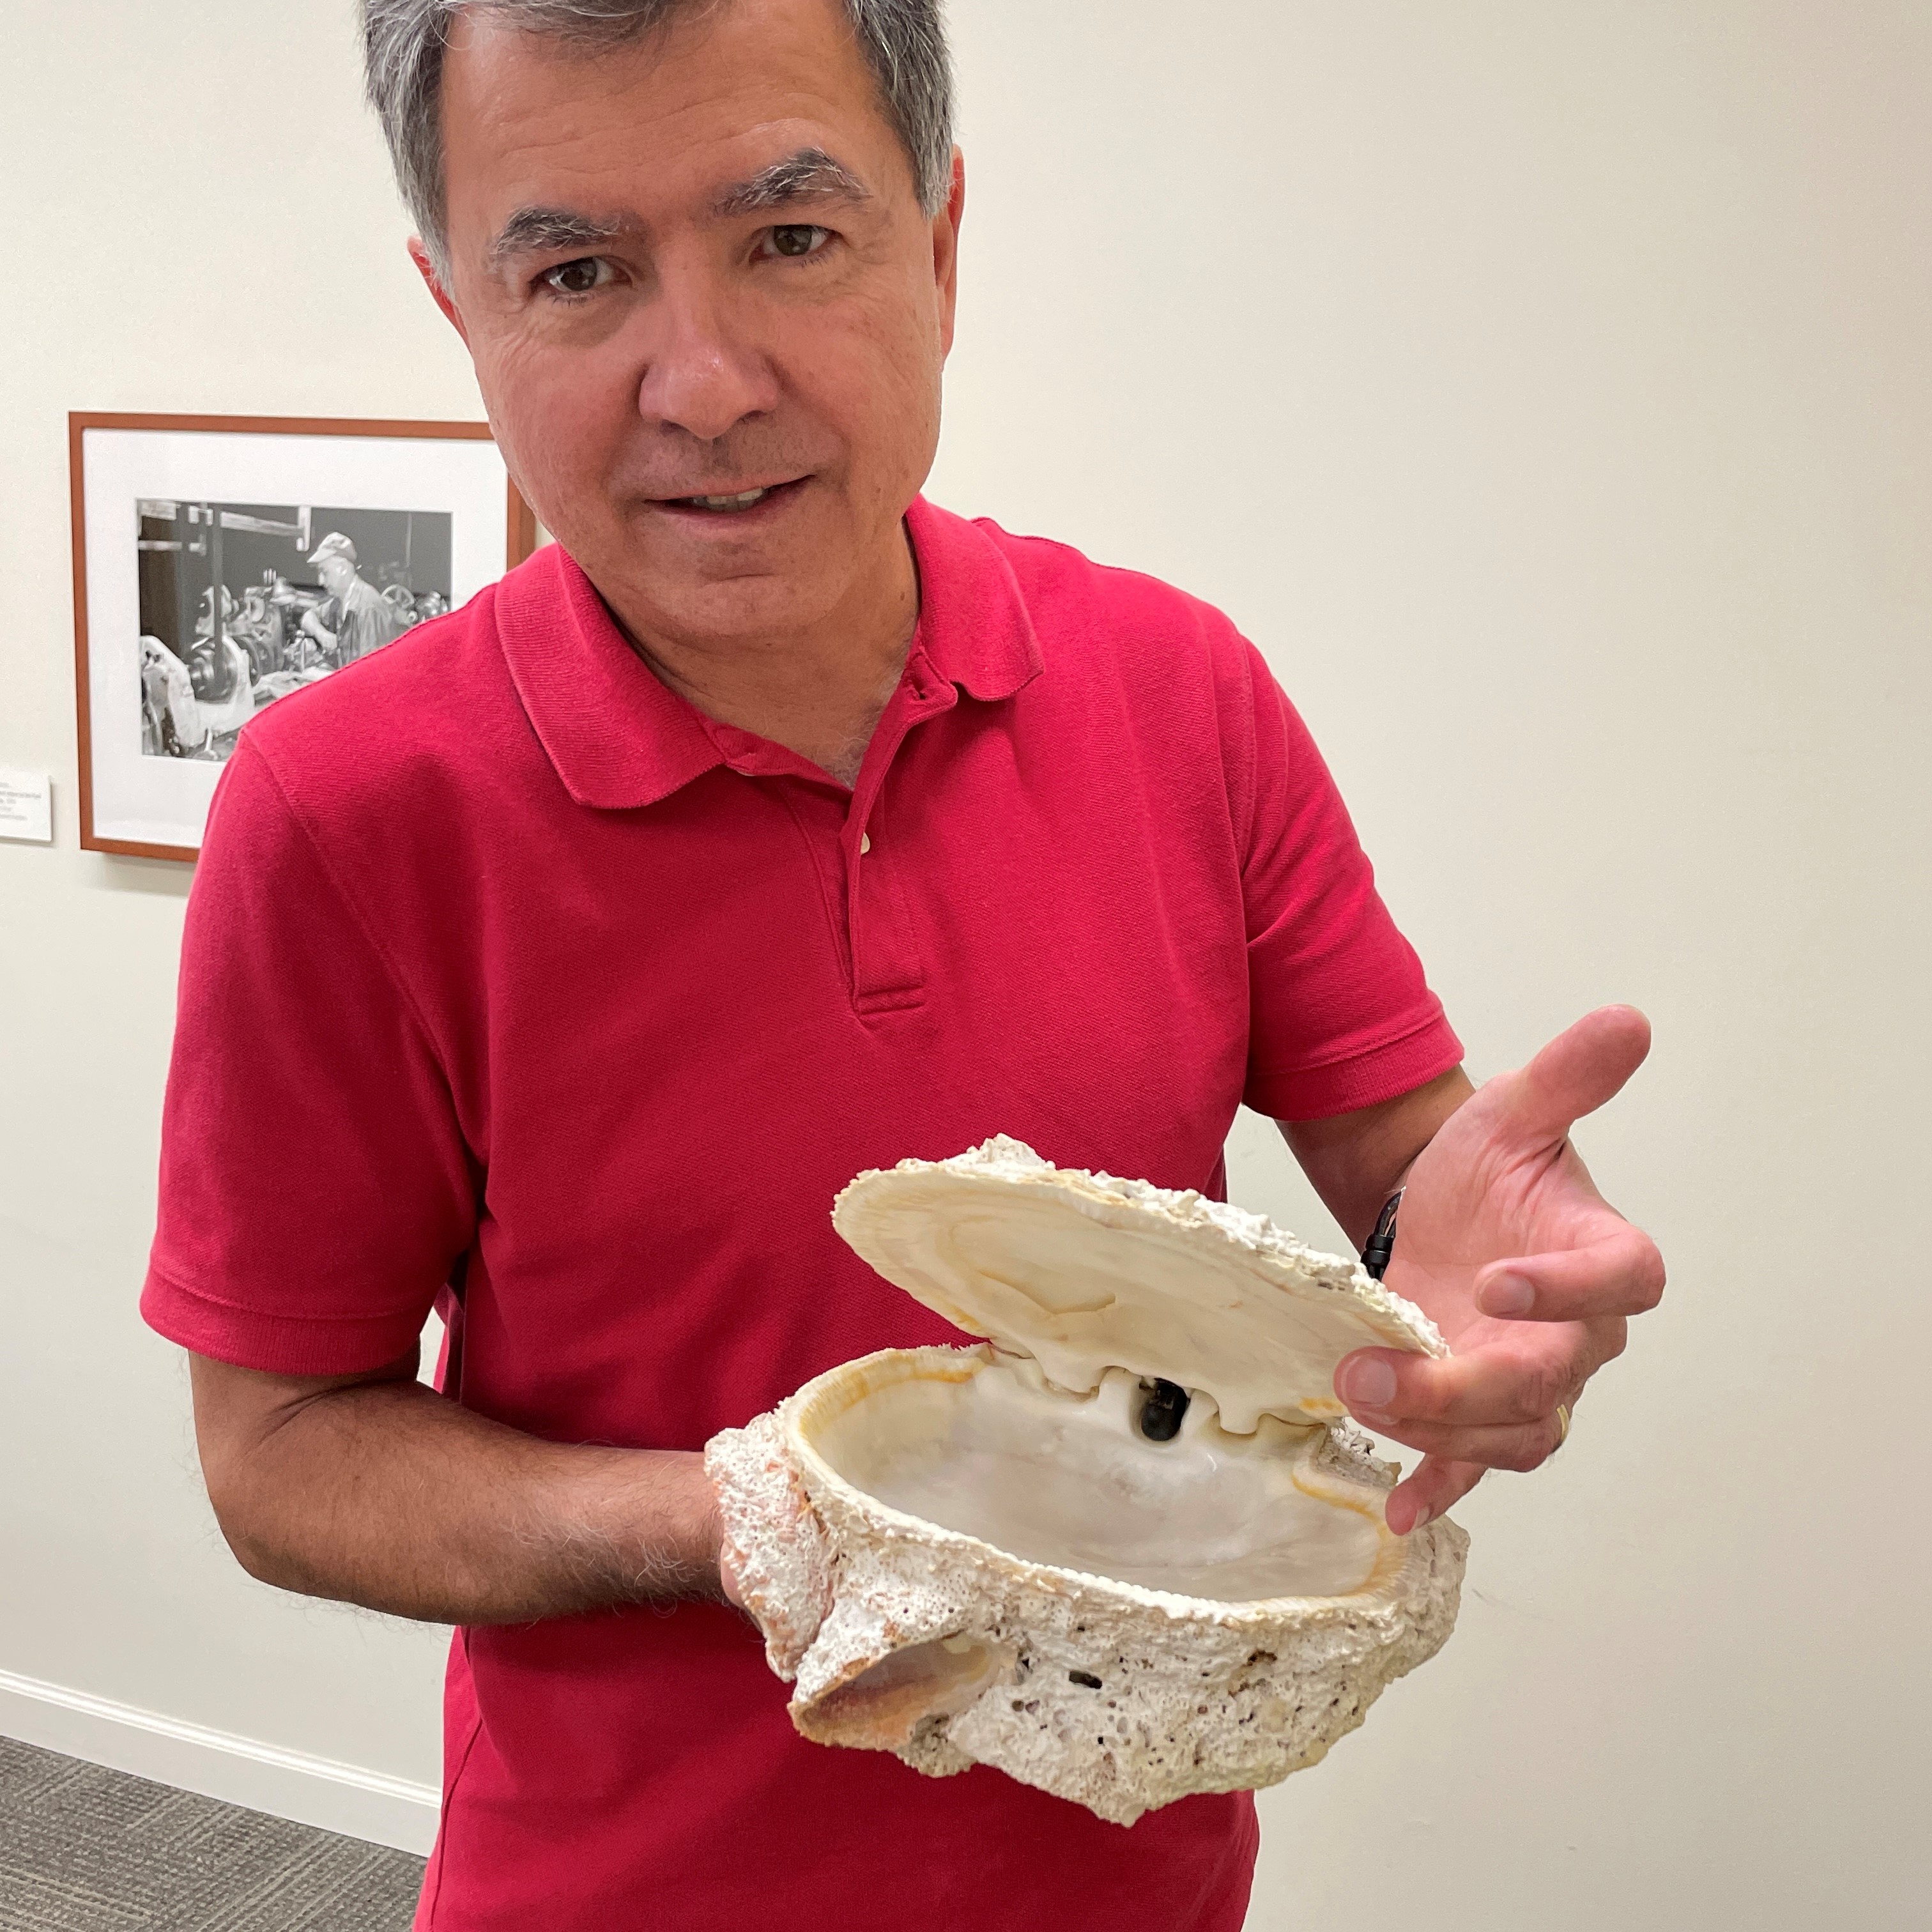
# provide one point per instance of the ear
(945, 228)
(440, 295)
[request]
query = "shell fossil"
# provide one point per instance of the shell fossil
(1128, 1548)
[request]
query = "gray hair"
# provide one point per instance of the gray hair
(404, 42)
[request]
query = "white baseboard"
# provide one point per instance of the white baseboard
(216, 1764)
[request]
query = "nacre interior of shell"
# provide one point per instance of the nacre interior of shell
(1072, 1481)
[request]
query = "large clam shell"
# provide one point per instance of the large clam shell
(960, 1559)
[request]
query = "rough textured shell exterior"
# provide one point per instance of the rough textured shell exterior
(781, 1559)
(1205, 1294)
(950, 1651)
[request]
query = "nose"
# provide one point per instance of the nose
(701, 376)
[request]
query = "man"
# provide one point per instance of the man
(772, 825)
(357, 619)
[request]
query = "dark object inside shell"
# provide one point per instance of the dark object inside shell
(1163, 1411)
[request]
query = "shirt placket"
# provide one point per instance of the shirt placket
(888, 971)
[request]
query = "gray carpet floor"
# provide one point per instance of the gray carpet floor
(83, 1849)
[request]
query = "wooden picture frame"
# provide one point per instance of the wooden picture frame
(155, 709)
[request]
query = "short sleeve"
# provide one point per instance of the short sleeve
(315, 1188)
(1341, 1015)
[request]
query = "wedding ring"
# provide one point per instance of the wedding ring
(1562, 1425)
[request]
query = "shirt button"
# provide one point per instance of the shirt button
(865, 841)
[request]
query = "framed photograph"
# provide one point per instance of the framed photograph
(220, 562)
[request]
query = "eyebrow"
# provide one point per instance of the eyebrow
(810, 174)
(532, 231)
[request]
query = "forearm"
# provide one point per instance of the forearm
(1356, 1161)
(389, 1495)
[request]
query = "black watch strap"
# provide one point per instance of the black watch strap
(1375, 1257)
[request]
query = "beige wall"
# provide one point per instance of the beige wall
(1545, 388)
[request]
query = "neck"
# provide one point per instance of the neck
(820, 689)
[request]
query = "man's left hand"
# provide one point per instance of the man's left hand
(1504, 1242)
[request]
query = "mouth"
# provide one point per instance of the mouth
(733, 503)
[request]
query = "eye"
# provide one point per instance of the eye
(797, 239)
(581, 278)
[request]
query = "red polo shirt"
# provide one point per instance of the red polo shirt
(511, 979)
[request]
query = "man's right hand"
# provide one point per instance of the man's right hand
(373, 1489)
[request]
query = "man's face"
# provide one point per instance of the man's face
(337, 574)
(698, 267)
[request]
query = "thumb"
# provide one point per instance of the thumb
(1577, 1073)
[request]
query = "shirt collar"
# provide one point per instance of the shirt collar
(619, 740)
(973, 625)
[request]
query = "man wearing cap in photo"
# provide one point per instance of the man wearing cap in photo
(358, 618)
(772, 824)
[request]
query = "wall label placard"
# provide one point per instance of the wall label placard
(27, 807)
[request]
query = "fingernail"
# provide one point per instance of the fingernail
(1506, 1295)
(1368, 1385)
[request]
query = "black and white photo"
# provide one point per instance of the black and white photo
(222, 564)
(242, 604)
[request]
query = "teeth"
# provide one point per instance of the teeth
(741, 503)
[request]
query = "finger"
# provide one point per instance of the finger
(1517, 1446)
(1519, 1377)
(1577, 1073)
(1436, 1487)
(1622, 1275)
